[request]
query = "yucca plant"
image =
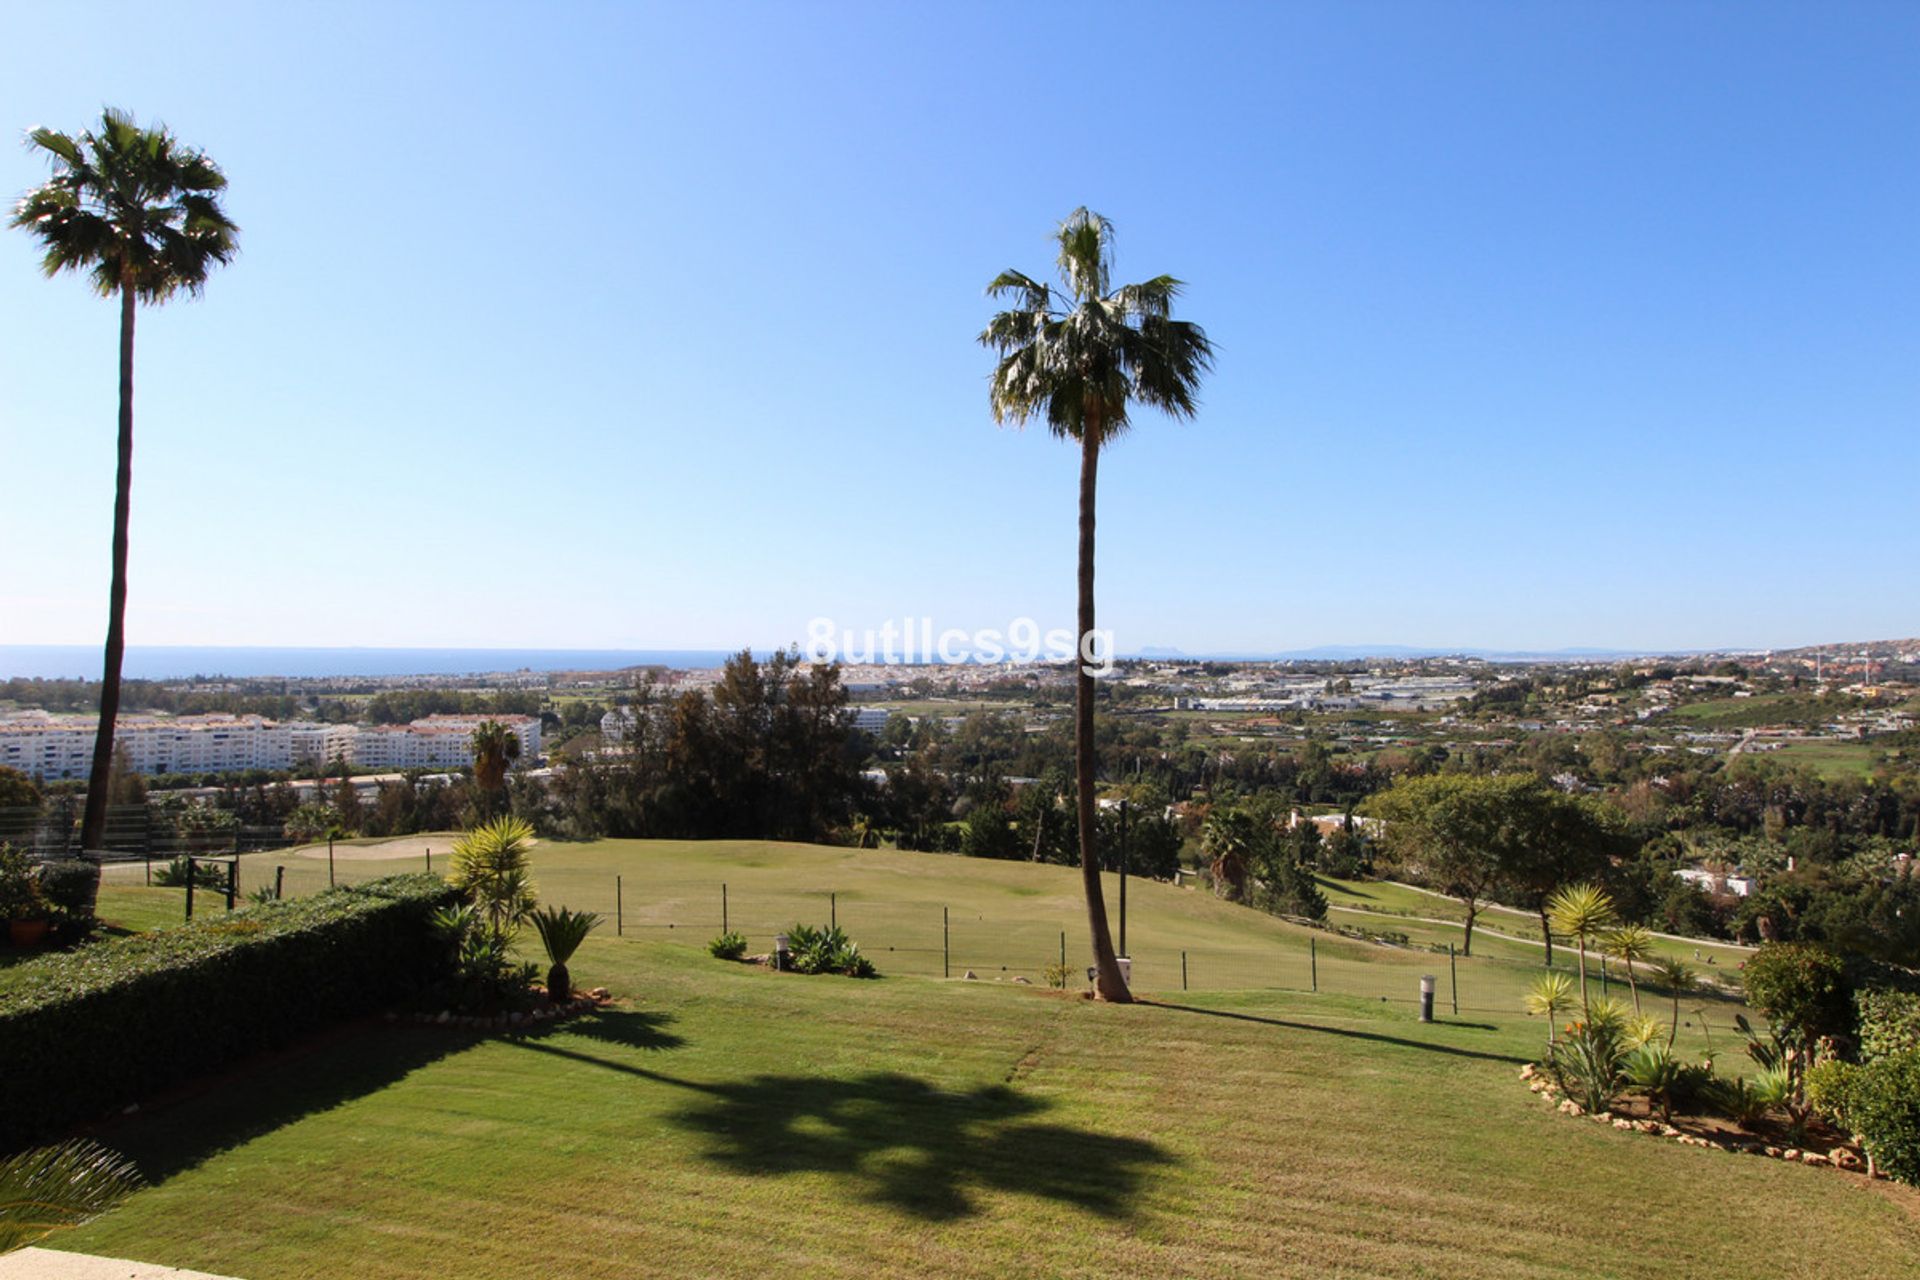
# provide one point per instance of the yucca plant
(561, 932)
(49, 1188)
(1581, 911)
(1643, 1029)
(490, 863)
(1551, 996)
(1627, 944)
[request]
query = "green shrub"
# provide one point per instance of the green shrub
(19, 889)
(1879, 1102)
(730, 945)
(83, 1033)
(1889, 1022)
(71, 887)
(1058, 975)
(1802, 988)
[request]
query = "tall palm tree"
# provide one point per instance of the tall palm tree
(1080, 356)
(495, 748)
(140, 214)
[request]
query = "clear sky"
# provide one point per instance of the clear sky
(644, 326)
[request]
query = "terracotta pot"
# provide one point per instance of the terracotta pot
(26, 933)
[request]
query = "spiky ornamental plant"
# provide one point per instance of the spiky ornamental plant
(1627, 944)
(1080, 357)
(490, 863)
(561, 933)
(49, 1188)
(140, 214)
(1550, 996)
(1581, 911)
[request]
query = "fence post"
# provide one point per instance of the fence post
(193, 869)
(1313, 959)
(233, 881)
(1453, 977)
(1063, 948)
(1183, 971)
(946, 946)
(619, 909)
(429, 859)
(279, 882)
(723, 908)
(1603, 977)
(149, 860)
(833, 910)
(329, 860)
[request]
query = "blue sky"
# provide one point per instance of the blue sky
(638, 326)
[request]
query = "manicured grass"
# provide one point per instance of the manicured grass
(1832, 759)
(1373, 904)
(729, 1122)
(931, 914)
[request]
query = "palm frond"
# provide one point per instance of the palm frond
(49, 1188)
(128, 207)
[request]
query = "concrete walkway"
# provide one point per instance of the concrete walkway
(51, 1264)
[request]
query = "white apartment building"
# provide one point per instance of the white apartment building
(51, 747)
(438, 742)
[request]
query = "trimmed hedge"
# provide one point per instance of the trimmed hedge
(84, 1033)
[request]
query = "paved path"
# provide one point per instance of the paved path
(51, 1264)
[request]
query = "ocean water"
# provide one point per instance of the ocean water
(167, 662)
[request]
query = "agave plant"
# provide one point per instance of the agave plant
(1628, 943)
(49, 1188)
(1655, 1071)
(1581, 911)
(561, 932)
(1551, 996)
(1587, 1063)
(490, 863)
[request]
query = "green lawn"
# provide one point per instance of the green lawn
(1832, 759)
(1373, 904)
(729, 1122)
(930, 915)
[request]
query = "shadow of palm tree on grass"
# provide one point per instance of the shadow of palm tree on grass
(917, 1148)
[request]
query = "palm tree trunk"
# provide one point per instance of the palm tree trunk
(1107, 984)
(1586, 1009)
(1632, 986)
(93, 825)
(1466, 943)
(1546, 934)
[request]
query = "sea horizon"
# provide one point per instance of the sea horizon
(181, 662)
